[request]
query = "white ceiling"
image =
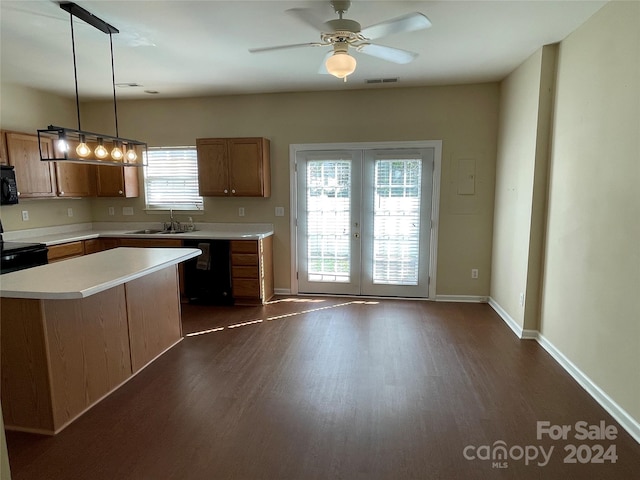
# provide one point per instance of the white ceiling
(193, 48)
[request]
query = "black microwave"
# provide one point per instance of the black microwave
(9, 191)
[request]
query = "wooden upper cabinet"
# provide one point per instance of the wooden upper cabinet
(34, 177)
(3, 149)
(75, 179)
(114, 181)
(235, 167)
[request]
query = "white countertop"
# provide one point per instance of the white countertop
(84, 276)
(212, 231)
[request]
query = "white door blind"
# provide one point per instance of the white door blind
(396, 222)
(328, 216)
(171, 179)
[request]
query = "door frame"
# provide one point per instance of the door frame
(435, 196)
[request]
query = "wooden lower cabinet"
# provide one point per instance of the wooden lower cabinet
(252, 271)
(65, 251)
(152, 332)
(60, 357)
(86, 357)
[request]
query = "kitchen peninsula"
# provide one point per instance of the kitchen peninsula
(74, 331)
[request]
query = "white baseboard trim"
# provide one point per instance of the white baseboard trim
(631, 425)
(461, 298)
(282, 291)
(627, 422)
(511, 323)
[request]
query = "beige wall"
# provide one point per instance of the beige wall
(591, 291)
(26, 110)
(521, 180)
(463, 117)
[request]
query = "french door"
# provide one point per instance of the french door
(363, 221)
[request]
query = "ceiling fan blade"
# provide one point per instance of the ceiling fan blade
(389, 54)
(310, 17)
(283, 47)
(405, 23)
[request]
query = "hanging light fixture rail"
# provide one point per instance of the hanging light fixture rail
(80, 146)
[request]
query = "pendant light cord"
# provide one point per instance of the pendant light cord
(75, 70)
(113, 83)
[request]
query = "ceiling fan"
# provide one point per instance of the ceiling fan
(342, 33)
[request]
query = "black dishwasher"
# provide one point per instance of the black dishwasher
(207, 277)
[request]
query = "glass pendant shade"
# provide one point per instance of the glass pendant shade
(83, 149)
(101, 152)
(62, 144)
(341, 64)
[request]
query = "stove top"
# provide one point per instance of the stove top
(18, 247)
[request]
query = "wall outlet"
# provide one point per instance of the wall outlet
(112, 211)
(127, 210)
(69, 212)
(279, 211)
(25, 215)
(241, 212)
(522, 299)
(474, 273)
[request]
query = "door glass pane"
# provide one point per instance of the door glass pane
(328, 220)
(396, 222)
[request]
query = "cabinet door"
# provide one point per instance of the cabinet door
(34, 177)
(249, 174)
(75, 179)
(3, 149)
(213, 167)
(113, 181)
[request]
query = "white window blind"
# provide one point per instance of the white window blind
(171, 179)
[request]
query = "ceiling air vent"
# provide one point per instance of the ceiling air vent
(381, 80)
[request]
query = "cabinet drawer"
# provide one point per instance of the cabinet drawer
(65, 250)
(245, 272)
(92, 246)
(244, 246)
(246, 288)
(243, 259)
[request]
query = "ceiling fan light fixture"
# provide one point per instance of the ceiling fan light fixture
(341, 64)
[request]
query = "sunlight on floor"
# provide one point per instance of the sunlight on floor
(286, 315)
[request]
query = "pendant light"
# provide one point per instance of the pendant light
(101, 152)
(83, 149)
(131, 155)
(71, 144)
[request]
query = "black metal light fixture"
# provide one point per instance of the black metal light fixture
(80, 146)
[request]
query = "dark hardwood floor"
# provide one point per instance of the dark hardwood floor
(333, 388)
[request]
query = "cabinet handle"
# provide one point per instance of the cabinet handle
(61, 193)
(226, 191)
(233, 191)
(119, 192)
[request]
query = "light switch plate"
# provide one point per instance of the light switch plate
(279, 211)
(127, 210)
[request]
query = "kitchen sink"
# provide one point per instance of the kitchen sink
(150, 231)
(147, 231)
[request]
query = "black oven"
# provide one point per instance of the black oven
(18, 255)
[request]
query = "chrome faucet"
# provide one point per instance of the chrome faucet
(172, 225)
